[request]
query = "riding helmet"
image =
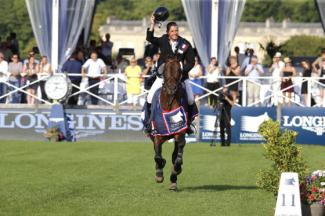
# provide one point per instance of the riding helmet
(161, 14)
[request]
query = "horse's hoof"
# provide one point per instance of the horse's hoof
(173, 187)
(159, 179)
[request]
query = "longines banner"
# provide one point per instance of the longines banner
(88, 124)
(101, 125)
(245, 122)
(308, 122)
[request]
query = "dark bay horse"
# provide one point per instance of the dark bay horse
(170, 99)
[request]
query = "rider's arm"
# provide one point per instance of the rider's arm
(152, 39)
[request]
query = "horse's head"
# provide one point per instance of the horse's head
(172, 75)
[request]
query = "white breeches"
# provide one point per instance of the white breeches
(158, 83)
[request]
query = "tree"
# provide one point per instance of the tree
(14, 16)
(303, 45)
(296, 11)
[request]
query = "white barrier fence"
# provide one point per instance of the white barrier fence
(113, 93)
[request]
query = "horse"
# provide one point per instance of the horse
(171, 96)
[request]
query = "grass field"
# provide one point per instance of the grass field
(118, 179)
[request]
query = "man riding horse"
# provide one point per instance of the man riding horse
(171, 45)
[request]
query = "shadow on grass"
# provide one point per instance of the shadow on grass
(218, 188)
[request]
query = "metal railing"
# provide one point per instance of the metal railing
(114, 86)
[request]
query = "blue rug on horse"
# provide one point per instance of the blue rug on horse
(165, 123)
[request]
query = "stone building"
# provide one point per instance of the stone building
(131, 34)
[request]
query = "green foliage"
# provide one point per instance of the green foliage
(296, 10)
(303, 46)
(133, 10)
(300, 45)
(14, 16)
(283, 152)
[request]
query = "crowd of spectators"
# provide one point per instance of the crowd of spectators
(90, 66)
(281, 82)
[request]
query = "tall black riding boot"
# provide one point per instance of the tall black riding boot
(190, 126)
(147, 123)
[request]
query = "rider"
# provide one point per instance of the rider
(171, 45)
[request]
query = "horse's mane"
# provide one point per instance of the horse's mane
(172, 67)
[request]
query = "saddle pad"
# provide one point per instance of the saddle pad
(166, 123)
(175, 120)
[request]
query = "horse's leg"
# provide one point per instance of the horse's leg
(177, 160)
(160, 161)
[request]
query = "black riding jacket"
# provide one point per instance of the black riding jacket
(184, 51)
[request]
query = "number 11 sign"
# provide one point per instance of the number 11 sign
(288, 201)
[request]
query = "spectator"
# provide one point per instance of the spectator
(45, 70)
(213, 73)
(194, 75)
(318, 62)
(156, 58)
(92, 48)
(240, 56)
(247, 60)
(7, 49)
(150, 50)
(321, 73)
(148, 72)
(31, 53)
(120, 64)
(106, 49)
(133, 84)
(14, 45)
(3, 76)
(73, 67)
(287, 74)
(93, 68)
(233, 70)
(276, 69)
(31, 69)
(253, 71)
(81, 56)
(99, 53)
(304, 87)
(15, 70)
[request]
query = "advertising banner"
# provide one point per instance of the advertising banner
(245, 122)
(97, 125)
(309, 122)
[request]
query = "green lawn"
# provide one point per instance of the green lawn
(91, 178)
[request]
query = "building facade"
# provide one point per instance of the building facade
(132, 34)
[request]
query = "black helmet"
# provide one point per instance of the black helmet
(161, 14)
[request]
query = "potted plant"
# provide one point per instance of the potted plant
(312, 191)
(53, 134)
